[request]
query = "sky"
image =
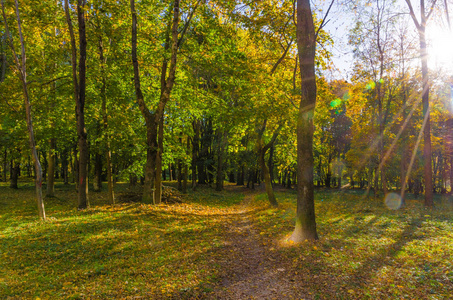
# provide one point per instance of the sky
(341, 20)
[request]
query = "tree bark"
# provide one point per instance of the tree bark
(270, 163)
(240, 176)
(195, 147)
(220, 159)
(81, 130)
(5, 163)
(15, 167)
(305, 228)
(64, 167)
(75, 171)
(186, 169)
(51, 169)
(158, 177)
(97, 182)
(179, 163)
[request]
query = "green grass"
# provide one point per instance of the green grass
(107, 252)
(365, 251)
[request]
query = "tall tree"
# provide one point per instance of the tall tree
(79, 84)
(306, 44)
(421, 29)
(22, 71)
(152, 192)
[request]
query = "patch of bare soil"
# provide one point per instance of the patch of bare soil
(250, 266)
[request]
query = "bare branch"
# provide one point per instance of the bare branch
(324, 22)
(431, 9)
(447, 14)
(412, 13)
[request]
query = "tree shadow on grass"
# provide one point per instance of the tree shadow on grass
(122, 254)
(362, 276)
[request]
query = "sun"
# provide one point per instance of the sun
(440, 49)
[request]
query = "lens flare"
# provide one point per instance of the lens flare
(393, 201)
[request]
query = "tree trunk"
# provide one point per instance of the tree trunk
(97, 182)
(81, 130)
(151, 127)
(403, 171)
(179, 163)
(79, 84)
(51, 170)
(427, 129)
(329, 173)
(15, 167)
(45, 165)
(153, 120)
(305, 228)
(157, 197)
(288, 179)
(340, 171)
(186, 170)
(21, 67)
(108, 153)
(240, 176)
(195, 146)
(267, 181)
(262, 149)
(451, 173)
(220, 159)
(427, 152)
(75, 167)
(270, 163)
(231, 177)
(64, 167)
(132, 180)
(5, 163)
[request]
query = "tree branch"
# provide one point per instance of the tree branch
(447, 14)
(412, 13)
(282, 57)
(183, 32)
(274, 137)
(431, 9)
(324, 22)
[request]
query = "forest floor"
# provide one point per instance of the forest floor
(223, 245)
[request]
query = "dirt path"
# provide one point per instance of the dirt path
(251, 268)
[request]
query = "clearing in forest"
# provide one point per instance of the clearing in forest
(222, 245)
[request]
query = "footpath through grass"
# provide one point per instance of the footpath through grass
(365, 251)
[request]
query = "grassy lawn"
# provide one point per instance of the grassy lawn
(365, 249)
(108, 252)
